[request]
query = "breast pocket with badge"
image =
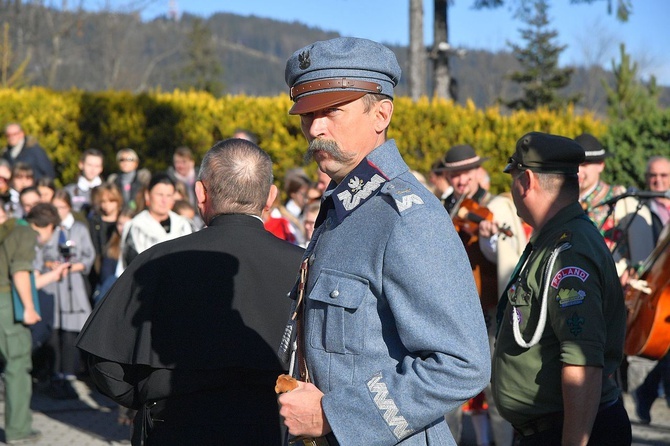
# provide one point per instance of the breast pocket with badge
(337, 318)
(519, 296)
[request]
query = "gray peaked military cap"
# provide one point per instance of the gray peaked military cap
(337, 71)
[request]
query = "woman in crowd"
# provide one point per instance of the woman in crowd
(130, 178)
(70, 243)
(110, 253)
(46, 188)
(107, 204)
(153, 225)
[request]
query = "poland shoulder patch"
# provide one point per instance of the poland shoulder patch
(569, 271)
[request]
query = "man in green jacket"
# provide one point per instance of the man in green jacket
(17, 252)
(561, 320)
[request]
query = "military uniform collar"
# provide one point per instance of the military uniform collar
(387, 158)
(571, 211)
(363, 182)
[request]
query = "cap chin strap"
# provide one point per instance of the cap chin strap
(542, 322)
(330, 84)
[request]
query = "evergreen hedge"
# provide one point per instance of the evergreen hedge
(154, 124)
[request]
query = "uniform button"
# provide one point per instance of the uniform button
(334, 294)
(311, 259)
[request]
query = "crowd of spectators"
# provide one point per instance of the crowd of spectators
(106, 221)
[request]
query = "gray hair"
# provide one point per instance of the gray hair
(654, 159)
(14, 124)
(237, 175)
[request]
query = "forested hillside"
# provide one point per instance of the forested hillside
(111, 51)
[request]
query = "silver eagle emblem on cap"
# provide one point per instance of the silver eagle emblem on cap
(303, 58)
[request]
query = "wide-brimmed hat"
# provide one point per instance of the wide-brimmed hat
(336, 71)
(437, 166)
(594, 152)
(461, 157)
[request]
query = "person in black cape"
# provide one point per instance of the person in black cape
(188, 334)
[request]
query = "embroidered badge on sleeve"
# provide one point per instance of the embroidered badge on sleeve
(569, 297)
(575, 323)
(569, 271)
(386, 404)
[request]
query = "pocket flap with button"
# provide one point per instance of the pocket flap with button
(338, 316)
(519, 295)
(340, 289)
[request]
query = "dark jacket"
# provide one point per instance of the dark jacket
(35, 156)
(140, 179)
(194, 323)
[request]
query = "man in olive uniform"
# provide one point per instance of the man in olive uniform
(562, 317)
(17, 252)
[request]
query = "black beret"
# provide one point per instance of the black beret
(545, 153)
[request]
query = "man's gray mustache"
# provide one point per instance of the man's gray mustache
(328, 146)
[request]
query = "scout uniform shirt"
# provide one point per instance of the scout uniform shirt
(17, 253)
(585, 320)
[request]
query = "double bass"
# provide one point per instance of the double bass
(648, 322)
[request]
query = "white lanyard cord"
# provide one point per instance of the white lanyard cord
(543, 308)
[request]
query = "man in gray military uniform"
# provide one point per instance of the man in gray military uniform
(390, 333)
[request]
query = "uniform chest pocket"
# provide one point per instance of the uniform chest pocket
(520, 298)
(337, 316)
(519, 295)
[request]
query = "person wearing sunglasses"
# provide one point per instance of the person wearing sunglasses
(129, 179)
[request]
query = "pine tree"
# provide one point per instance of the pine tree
(629, 97)
(204, 71)
(639, 128)
(541, 79)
